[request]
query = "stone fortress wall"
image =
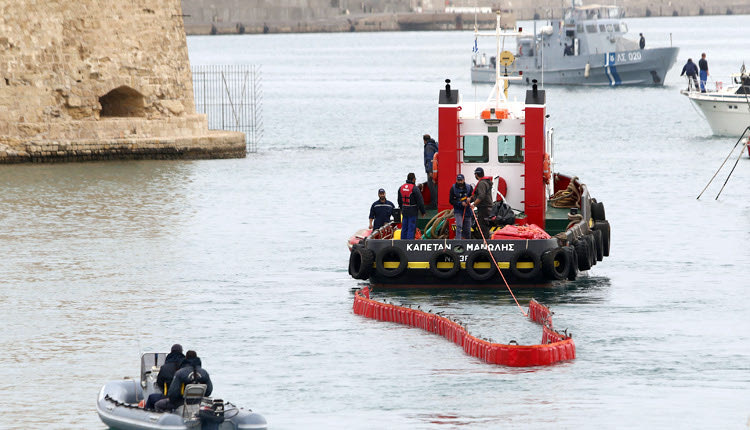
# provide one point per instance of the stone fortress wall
(289, 16)
(96, 79)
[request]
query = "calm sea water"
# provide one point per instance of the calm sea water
(245, 260)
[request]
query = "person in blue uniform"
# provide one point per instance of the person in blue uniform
(459, 198)
(691, 71)
(380, 211)
(410, 201)
(703, 66)
(430, 148)
(190, 372)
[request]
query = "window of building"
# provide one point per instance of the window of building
(476, 149)
(609, 27)
(617, 28)
(509, 149)
(590, 28)
(602, 29)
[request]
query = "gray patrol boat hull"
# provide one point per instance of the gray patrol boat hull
(647, 67)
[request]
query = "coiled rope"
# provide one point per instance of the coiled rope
(567, 198)
(438, 227)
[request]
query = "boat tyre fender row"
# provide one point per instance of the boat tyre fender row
(603, 226)
(480, 256)
(360, 262)
(445, 255)
(572, 262)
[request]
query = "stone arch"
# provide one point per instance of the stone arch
(123, 101)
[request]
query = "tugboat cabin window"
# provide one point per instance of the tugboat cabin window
(579, 28)
(509, 149)
(590, 28)
(476, 149)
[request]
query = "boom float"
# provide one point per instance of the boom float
(555, 347)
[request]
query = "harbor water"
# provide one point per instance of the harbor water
(245, 260)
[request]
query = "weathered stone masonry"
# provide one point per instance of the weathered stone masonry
(95, 79)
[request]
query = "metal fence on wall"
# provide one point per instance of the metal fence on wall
(231, 96)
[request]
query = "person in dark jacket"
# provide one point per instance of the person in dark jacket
(380, 211)
(459, 198)
(410, 201)
(482, 200)
(430, 148)
(642, 42)
(691, 71)
(190, 372)
(703, 66)
(166, 373)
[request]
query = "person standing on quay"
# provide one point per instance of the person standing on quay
(410, 200)
(703, 66)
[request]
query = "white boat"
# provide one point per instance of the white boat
(727, 109)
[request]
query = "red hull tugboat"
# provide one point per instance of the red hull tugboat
(559, 230)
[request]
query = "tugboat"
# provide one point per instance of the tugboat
(120, 405)
(557, 232)
(727, 108)
(587, 47)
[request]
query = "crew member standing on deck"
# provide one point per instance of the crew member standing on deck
(459, 198)
(410, 201)
(380, 211)
(482, 200)
(703, 66)
(691, 71)
(642, 42)
(430, 149)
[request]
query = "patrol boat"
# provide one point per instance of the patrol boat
(558, 229)
(120, 405)
(726, 109)
(587, 47)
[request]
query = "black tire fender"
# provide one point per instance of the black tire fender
(582, 254)
(525, 255)
(439, 257)
(597, 210)
(386, 254)
(573, 266)
(557, 271)
(599, 245)
(603, 226)
(473, 257)
(360, 262)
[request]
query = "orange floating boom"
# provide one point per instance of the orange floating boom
(555, 347)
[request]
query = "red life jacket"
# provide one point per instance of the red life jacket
(405, 192)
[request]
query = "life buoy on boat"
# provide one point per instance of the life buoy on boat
(438, 257)
(434, 167)
(525, 256)
(556, 264)
(388, 254)
(480, 256)
(547, 171)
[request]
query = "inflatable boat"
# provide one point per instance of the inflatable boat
(120, 405)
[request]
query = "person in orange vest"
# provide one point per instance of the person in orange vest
(410, 201)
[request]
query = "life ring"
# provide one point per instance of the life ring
(603, 226)
(434, 167)
(555, 264)
(440, 256)
(599, 244)
(387, 254)
(525, 256)
(480, 256)
(360, 262)
(547, 170)
(582, 254)
(573, 259)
